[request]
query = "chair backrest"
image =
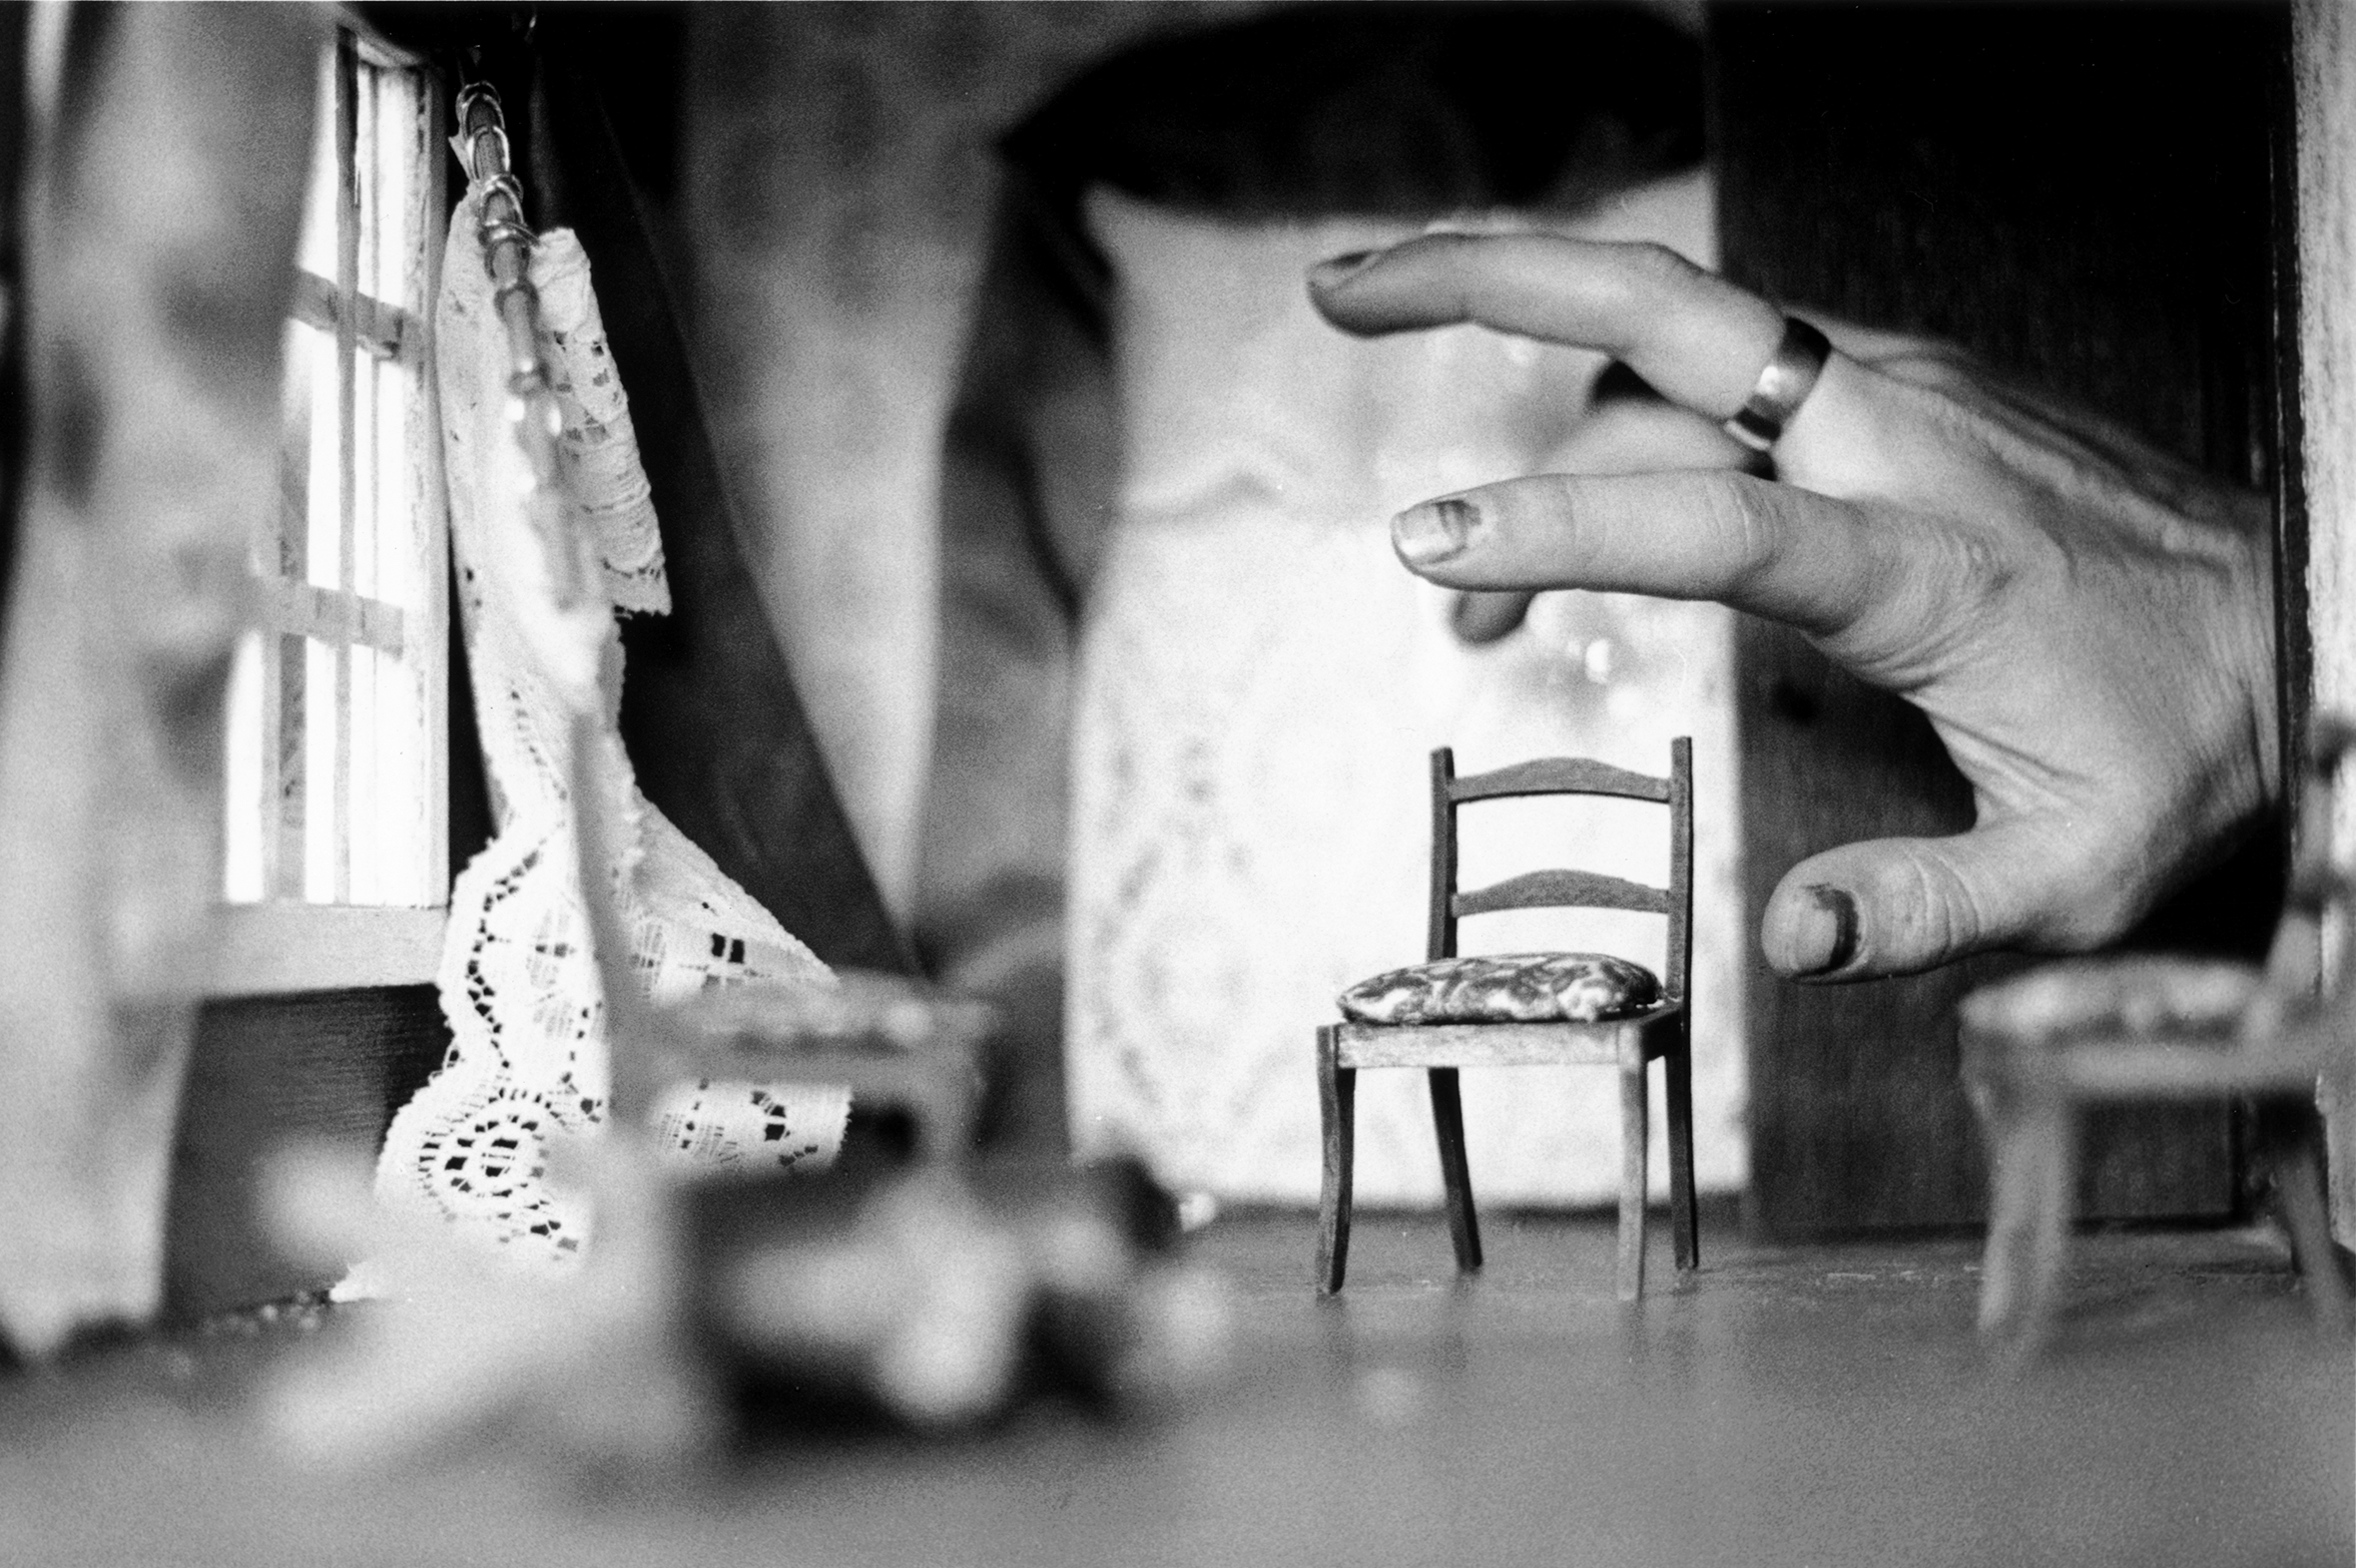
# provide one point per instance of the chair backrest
(1566, 890)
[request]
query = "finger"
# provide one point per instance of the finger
(1640, 432)
(1902, 905)
(1773, 550)
(1628, 430)
(1479, 618)
(1695, 337)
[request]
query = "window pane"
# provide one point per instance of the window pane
(367, 465)
(324, 529)
(242, 879)
(335, 767)
(317, 254)
(323, 823)
(392, 148)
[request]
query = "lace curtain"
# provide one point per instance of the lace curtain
(526, 1069)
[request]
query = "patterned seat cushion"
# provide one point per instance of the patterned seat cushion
(1506, 988)
(2105, 997)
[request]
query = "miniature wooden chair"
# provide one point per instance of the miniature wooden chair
(1527, 1009)
(2039, 1048)
(892, 1041)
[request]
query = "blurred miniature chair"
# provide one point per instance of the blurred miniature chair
(2145, 1029)
(893, 1041)
(1527, 1009)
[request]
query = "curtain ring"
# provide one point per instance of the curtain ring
(519, 287)
(481, 88)
(498, 229)
(508, 186)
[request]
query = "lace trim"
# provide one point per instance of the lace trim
(526, 1069)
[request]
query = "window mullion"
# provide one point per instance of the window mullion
(431, 636)
(348, 286)
(385, 332)
(324, 615)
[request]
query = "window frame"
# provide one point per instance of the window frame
(285, 944)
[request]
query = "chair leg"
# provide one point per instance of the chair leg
(2298, 1189)
(946, 1105)
(1677, 1097)
(1455, 1173)
(1337, 1103)
(2032, 1160)
(2291, 1142)
(1635, 1139)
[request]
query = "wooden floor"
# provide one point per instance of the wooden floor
(1823, 1407)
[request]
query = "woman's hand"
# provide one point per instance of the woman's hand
(2086, 621)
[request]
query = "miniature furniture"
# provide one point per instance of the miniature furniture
(2039, 1048)
(894, 1042)
(1527, 1009)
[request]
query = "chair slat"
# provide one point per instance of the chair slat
(1559, 775)
(2143, 1068)
(1563, 890)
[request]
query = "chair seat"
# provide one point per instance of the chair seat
(1506, 988)
(2100, 998)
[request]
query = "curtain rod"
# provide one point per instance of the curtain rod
(532, 412)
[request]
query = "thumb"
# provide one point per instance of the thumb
(1900, 905)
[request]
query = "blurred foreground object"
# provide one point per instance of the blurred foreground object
(591, 1364)
(922, 1297)
(2037, 1049)
(940, 1300)
(167, 193)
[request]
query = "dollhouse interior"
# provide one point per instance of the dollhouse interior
(752, 662)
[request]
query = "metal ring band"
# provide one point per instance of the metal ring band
(499, 231)
(473, 92)
(1783, 386)
(506, 185)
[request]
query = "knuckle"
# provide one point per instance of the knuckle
(1947, 909)
(1741, 526)
(1951, 577)
(1935, 366)
(1981, 567)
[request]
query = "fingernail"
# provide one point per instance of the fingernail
(1824, 938)
(1334, 270)
(1434, 532)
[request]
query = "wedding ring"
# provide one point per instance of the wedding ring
(1783, 386)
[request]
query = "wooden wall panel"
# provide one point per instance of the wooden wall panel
(329, 1067)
